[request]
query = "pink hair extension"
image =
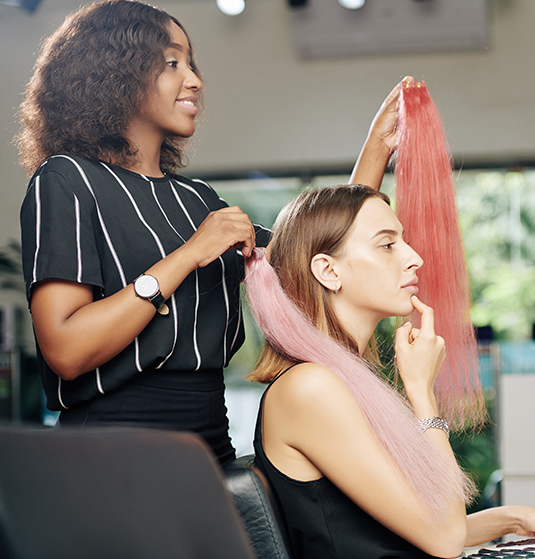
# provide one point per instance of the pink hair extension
(433, 476)
(425, 204)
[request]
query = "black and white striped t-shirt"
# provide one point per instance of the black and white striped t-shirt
(101, 225)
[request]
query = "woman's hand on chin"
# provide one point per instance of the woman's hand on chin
(420, 353)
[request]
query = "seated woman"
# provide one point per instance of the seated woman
(359, 471)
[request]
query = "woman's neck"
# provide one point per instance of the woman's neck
(148, 145)
(149, 169)
(362, 340)
(361, 327)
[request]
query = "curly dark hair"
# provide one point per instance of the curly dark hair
(90, 79)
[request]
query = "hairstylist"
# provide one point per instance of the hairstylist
(133, 271)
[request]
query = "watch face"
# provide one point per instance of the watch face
(146, 286)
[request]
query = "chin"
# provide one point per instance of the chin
(404, 310)
(184, 134)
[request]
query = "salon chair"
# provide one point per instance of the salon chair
(113, 494)
(258, 509)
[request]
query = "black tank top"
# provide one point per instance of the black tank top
(322, 522)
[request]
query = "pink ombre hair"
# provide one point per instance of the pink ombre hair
(291, 308)
(425, 204)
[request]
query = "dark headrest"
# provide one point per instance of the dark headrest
(258, 509)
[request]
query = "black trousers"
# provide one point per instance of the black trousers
(178, 400)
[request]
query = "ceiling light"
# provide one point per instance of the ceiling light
(231, 7)
(352, 4)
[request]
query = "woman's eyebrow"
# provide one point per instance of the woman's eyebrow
(386, 232)
(179, 47)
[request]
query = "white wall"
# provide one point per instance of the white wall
(517, 451)
(268, 109)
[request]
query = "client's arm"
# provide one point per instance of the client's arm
(491, 524)
(313, 427)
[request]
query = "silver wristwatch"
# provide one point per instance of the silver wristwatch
(147, 287)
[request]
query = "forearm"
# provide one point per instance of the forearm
(77, 334)
(380, 143)
(97, 331)
(453, 522)
(424, 405)
(371, 164)
(493, 523)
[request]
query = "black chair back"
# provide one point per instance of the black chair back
(259, 511)
(113, 494)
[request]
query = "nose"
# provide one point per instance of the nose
(193, 81)
(413, 260)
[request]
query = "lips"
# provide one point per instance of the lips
(411, 286)
(189, 104)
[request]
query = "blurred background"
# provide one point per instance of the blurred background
(291, 89)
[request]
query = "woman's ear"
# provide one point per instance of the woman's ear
(268, 251)
(324, 270)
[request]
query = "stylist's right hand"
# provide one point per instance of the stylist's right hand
(222, 230)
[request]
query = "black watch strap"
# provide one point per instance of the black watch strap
(159, 303)
(145, 287)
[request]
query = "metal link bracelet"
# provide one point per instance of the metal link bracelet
(434, 423)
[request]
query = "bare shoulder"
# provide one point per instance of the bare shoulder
(307, 384)
(303, 412)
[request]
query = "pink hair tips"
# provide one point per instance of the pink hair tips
(430, 473)
(426, 205)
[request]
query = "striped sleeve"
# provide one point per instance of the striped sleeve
(58, 237)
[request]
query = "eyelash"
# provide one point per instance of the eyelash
(174, 64)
